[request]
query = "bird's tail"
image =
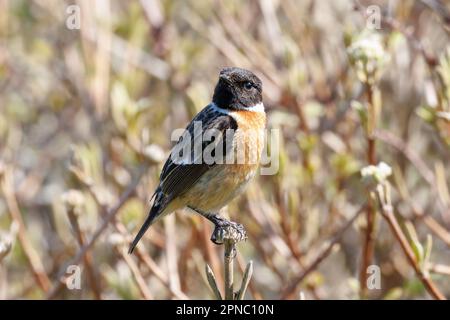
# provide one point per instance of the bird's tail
(155, 212)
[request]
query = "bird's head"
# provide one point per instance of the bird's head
(237, 89)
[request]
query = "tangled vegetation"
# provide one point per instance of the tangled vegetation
(363, 111)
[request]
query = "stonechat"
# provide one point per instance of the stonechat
(235, 119)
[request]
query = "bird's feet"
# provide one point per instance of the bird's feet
(225, 230)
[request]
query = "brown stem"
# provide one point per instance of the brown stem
(108, 217)
(369, 240)
(368, 248)
(140, 281)
(33, 259)
(228, 266)
(289, 291)
(145, 258)
(388, 214)
(88, 260)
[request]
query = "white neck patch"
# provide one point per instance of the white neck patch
(256, 108)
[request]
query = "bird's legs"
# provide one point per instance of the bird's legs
(224, 230)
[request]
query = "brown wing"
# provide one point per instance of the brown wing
(177, 178)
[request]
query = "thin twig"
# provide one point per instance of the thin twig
(145, 258)
(141, 254)
(388, 214)
(72, 212)
(427, 174)
(171, 253)
(439, 268)
(140, 281)
(34, 261)
(369, 241)
(228, 260)
(436, 227)
(289, 291)
(109, 216)
(395, 25)
(409, 153)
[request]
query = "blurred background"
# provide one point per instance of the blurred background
(90, 92)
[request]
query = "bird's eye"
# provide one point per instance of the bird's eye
(248, 85)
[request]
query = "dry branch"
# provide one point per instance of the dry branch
(33, 258)
(108, 218)
(289, 291)
(388, 213)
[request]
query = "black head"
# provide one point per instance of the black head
(237, 89)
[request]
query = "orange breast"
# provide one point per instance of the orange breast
(248, 140)
(223, 182)
(249, 119)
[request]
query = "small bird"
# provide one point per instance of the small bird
(237, 113)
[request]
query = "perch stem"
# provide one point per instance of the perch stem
(228, 266)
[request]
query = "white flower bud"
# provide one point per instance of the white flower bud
(377, 174)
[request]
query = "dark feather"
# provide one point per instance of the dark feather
(154, 212)
(175, 179)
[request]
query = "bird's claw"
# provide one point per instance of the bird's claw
(228, 231)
